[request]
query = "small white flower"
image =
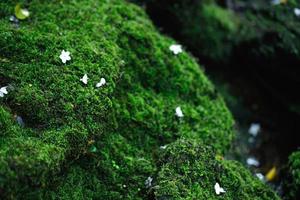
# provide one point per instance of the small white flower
(163, 147)
(254, 129)
(219, 189)
(148, 182)
(101, 83)
(253, 162)
(260, 176)
(65, 56)
(297, 12)
(178, 112)
(176, 48)
(84, 79)
(3, 91)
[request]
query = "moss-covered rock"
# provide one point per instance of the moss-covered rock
(190, 170)
(84, 142)
(292, 182)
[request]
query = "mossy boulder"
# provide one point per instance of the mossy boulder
(109, 134)
(292, 182)
(83, 142)
(190, 170)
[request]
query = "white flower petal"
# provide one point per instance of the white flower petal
(84, 79)
(65, 56)
(25, 12)
(148, 182)
(254, 129)
(260, 176)
(219, 189)
(176, 48)
(297, 12)
(178, 112)
(101, 83)
(253, 162)
(3, 91)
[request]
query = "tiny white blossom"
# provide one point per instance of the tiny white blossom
(163, 147)
(178, 112)
(253, 162)
(84, 79)
(3, 91)
(148, 182)
(176, 48)
(254, 129)
(297, 12)
(101, 83)
(65, 56)
(219, 189)
(260, 176)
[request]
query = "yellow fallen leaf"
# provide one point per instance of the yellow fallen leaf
(271, 174)
(21, 13)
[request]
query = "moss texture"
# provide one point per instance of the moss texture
(83, 142)
(190, 170)
(292, 183)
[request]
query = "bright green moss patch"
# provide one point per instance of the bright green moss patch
(190, 170)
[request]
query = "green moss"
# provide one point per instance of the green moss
(292, 183)
(190, 170)
(82, 142)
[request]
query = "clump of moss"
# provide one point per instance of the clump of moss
(190, 170)
(80, 141)
(292, 183)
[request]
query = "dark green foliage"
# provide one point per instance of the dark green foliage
(190, 170)
(253, 36)
(205, 27)
(80, 142)
(292, 183)
(269, 42)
